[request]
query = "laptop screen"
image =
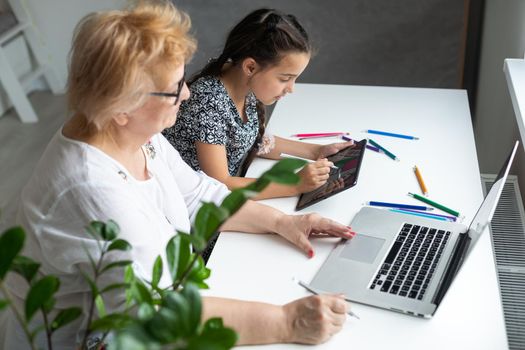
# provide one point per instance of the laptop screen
(348, 161)
(488, 207)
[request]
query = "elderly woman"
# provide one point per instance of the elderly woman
(109, 161)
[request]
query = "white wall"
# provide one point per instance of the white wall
(56, 20)
(495, 125)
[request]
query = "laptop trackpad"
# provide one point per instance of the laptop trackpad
(362, 248)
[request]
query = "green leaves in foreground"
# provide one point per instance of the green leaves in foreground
(164, 318)
(11, 243)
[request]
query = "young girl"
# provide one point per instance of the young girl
(222, 124)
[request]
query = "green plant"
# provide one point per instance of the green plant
(151, 317)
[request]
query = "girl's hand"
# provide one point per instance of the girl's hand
(328, 150)
(314, 319)
(314, 175)
(297, 229)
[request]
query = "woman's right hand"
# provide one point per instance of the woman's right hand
(314, 175)
(314, 319)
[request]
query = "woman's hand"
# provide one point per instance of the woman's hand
(297, 229)
(314, 319)
(328, 150)
(314, 175)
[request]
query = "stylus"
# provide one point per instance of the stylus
(286, 155)
(316, 292)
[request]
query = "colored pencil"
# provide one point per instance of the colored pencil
(387, 152)
(391, 134)
(423, 215)
(420, 180)
(451, 218)
(434, 204)
(320, 134)
(370, 147)
(398, 206)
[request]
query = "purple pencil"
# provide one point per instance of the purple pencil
(370, 147)
(453, 218)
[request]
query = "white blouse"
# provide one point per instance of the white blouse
(75, 183)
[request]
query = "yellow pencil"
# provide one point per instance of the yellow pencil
(420, 180)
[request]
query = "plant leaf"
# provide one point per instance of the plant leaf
(65, 316)
(40, 293)
(141, 293)
(199, 273)
(111, 322)
(176, 302)
(145, 311)
(284, 178)
(157, 272)
(235, 200)
(120, 263)
(11, 243)
(92, 285)
(129, 278)
(197, 242)
(119, 244)
(114, 286)
(110, 230)
(164, 326)
(193, 298)
(289, 165)
(101, 307)
(25, 267)
(3, 304)
(208, 220)
(95, 229)
(178, 254)
(215, 333)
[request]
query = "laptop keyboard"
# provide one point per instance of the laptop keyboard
(411, 262)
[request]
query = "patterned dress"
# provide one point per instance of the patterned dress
(210, 116)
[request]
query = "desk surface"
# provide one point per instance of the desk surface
(261, 267)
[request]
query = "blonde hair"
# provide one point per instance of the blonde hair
(118, 57)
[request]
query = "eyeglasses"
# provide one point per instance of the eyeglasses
(172, 94)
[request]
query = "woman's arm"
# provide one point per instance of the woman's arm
(295, 228)
(310, 320)
(213, 161)
(304, 149)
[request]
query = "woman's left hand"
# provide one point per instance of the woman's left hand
(297, 229)
(328, 150)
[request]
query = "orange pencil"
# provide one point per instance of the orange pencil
(420, 180)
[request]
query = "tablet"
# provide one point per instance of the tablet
(348, 161)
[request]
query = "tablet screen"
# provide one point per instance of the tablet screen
(348, 162)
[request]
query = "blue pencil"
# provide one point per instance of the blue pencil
(449, 217)
(428, 216)
(384, 133)
(399, 206)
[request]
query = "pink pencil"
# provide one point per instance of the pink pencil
(320, 134)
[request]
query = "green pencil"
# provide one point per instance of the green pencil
(434, 204)
(387, 152)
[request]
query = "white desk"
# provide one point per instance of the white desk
(261, 267)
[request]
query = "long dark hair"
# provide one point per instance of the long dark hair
(265, 35)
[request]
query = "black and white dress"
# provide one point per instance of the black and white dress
(210, 116)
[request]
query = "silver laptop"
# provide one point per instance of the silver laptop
(401, 262)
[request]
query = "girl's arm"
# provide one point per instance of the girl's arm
(304, 149)
(213, 161)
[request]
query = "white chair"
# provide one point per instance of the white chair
(14, 86)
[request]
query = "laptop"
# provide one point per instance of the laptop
(405, 263)
(348, 162)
